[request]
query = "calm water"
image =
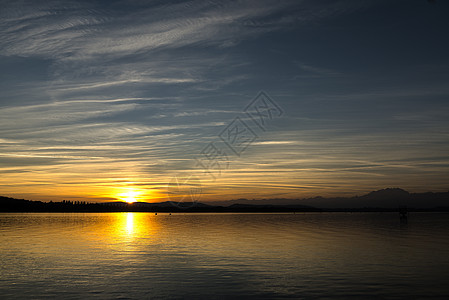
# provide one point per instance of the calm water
(142, 255)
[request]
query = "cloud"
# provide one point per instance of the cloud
(314, 71)
(66, 31)
(128, 93)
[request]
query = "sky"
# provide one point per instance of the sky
(158, 100)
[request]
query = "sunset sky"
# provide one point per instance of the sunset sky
(111, 100)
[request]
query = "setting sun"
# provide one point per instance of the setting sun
(129, 196)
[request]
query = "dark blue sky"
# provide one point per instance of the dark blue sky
(103, 99)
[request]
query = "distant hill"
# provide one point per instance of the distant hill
(20, 205)
(388, 199)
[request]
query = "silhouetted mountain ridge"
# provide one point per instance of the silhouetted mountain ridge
(380, 200)
(384, 198)
(388, 193)
(20, 205)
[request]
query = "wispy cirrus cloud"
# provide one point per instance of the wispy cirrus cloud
(127, 93)
(71, 30)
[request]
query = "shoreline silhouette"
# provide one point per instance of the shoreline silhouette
(385, 200)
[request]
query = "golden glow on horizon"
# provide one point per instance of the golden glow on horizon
(129, 196)
(106, 182)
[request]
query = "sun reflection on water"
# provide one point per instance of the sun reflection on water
(134, 225)
(126, 227)
(130, 223)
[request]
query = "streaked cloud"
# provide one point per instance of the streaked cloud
(100, 96)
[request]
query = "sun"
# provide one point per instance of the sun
(129, 196)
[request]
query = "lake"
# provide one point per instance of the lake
(216, 256)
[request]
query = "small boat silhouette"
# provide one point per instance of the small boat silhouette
(403, 213)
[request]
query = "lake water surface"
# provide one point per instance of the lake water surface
(210, 256)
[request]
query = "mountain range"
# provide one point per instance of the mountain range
(381, 200)
(384, 198)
